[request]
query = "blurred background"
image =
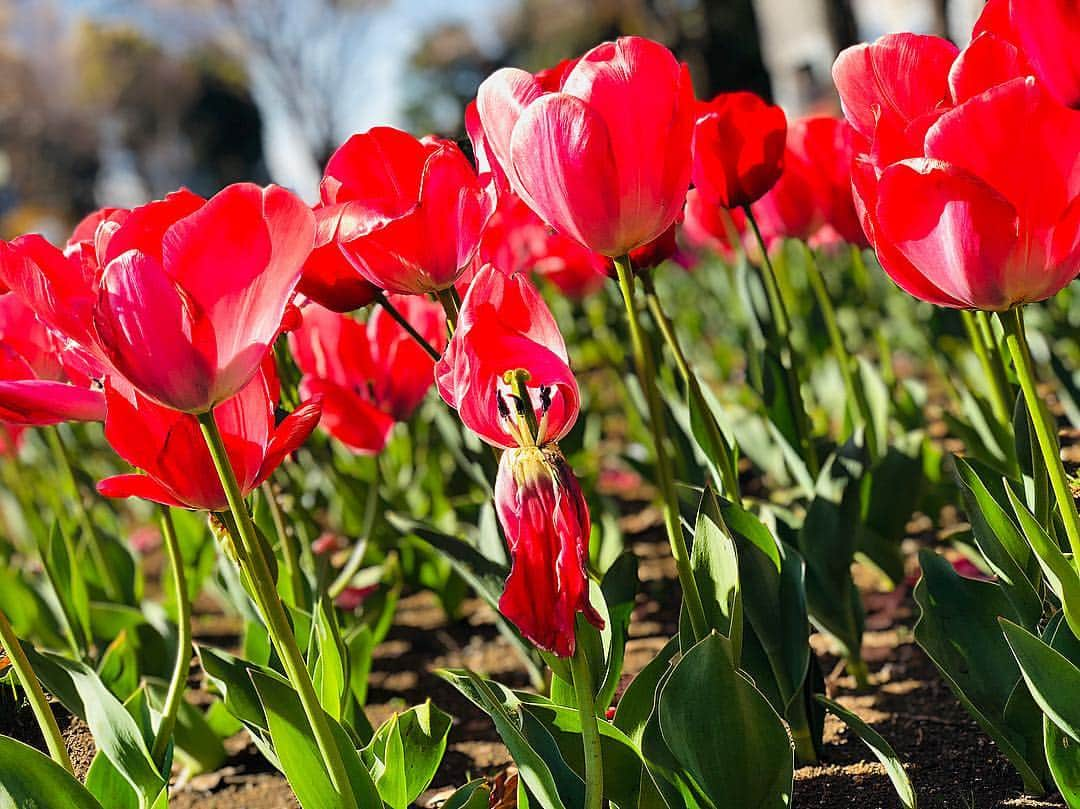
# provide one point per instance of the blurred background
(114, 102)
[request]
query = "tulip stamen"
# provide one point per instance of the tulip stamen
(527, 426)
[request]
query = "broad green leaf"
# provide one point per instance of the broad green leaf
(1052, 679)
(881, 749)
(958, 628)
(705, 704)
(619, 589)
(1063, 757)
(32, 780)
(231, 676)
(327, 660)
(69, 586)
(715, 564)
(637, 702)
(474, 795)
(298, 752)
(405, 753)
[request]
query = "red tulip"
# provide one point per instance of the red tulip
(971, 206)
(706, 226)
(504, 325)
(573, 269)
(33, 384)
(169, 448)
(329, 278)
(546, 521)
(181, 297)
(606, 158)
(791, 209)
(406, 213)
(738, 148)
(1046, 36)
(369, 375)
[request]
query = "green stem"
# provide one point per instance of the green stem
(1045, 431)
(451, 304)
(646, 373)
(289, 551)
(729, 475)
(356, 558)
(858, 407)
(175, 695)
(995, 376)
(403, 321)
(250, 555)
(590, 730)
(783, 329)
(34, 695)
(97, 550)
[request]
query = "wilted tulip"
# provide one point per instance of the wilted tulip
(368, 375)
(169, 448)
(738, 148)
(605, 157)
(506, 371)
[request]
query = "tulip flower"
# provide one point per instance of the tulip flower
(738, 148)
(368, 375)
(34, 387)
(507, 373)
(168, 446)
(328, 277)
(407, 215)
(970, 204)
(707, 226)
(182, 298)
(605, 157)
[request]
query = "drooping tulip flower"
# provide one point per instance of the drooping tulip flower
(507, 373)
(605, 158)
(168, 446)
(738, 148)
(970, 205)
(1046, 37)
(34, 388)
(368, 375)
(406, 213)
(181, 297)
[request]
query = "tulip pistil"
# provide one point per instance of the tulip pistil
(523, 422)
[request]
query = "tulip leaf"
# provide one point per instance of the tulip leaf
(757, 772)
(958, 630)
(715, 564)
(405, 753)
(69, 586)
(1063, 758)
(637, 702)
(327, 660)
(1001, 542)
(896, 483)
(474, 795)
(1052, 679)
(29, 778)
(298, 753)
(881, 749)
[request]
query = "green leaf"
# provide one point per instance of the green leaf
(1052, 680)
(711, 438)
(405, 753)
(231, 676)
(474, 795)
(327, 661)
(1003, 546)
(619, 589)
(958, 630)
(1063, 757)
(715, 564)
(881, 749)
(31, 780)
(69, 586)
(543, 771)
(298, 752)
(639, 698)
(705, 704)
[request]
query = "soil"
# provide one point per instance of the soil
(952, 764)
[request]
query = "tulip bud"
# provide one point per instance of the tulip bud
(546, 521)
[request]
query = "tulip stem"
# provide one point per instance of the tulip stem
(646, 373)
(858, 407)
(451, 304)
(728, 473)
(401, 320)
(34, 695)
(590, 729)
(782, 323)
(97, 550)
(175, 695)
(1045, 430)
(250, 555)
(290, 553)
(993, 371)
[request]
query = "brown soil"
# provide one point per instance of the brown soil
(952, 764)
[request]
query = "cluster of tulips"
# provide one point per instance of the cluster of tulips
(184, 325)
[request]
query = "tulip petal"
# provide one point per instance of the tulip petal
(40, 402)
(143, 228)
(987, 62)
(896, 79)
(328, 277)
(379, 173)
(954, 229)
(145, 330)
(289, 435)
(238, 260)
(500, 100)
(141, 486)
(563, 158)
(1049, 32)
(350, 418)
